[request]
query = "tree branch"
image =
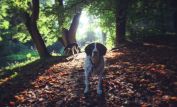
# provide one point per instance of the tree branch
(35, 10)
(27, 22)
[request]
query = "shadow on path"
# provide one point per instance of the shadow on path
(25, 76)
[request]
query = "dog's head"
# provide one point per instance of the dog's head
(95, 50)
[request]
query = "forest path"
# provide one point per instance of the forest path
(135, 76)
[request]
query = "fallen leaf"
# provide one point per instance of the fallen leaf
(12, 104)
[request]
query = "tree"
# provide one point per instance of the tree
(174, 6)
(121, 18)
(31, 24)
(59, 6)
(68, 38)
(113, 16)
(139, 18)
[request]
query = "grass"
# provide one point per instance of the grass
(20, 58)
(20, 64)
(55, 54)
(16, 65)
(27, 54)
(12, 71)
(14, 75)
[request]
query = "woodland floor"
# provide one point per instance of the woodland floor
(136, 76)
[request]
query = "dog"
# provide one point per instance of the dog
(94, 63)
(72, 49)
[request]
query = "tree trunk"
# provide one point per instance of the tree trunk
(175, 16)
(121, 18)
(73, 28)
(31, 24)
(175, 21)
(173, 4)
(60, 14)
(69, 36)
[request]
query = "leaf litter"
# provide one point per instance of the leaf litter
(136, 76)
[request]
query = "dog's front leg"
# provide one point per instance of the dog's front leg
(87, 69)
(99, 88)
(86, 81)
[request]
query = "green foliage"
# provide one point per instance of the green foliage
(14, 75)
(147, 18)
(9, 18)
(1, 39)
(20, 64)
(55, 54)
(48, 28)
(110, 41)
(21, 34)
(4, 25)
(3, 9)
(22, 37)
(144, 18)
(21, 4)
(105, 11)
(28, 54)
(15, 52)
(12, 11)
(19, 59)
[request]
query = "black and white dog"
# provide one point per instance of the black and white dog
(72, 49)
(94, 62)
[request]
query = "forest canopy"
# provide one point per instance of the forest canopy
(108, 21)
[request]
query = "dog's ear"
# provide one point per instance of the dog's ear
(88, 49)
(102, 49)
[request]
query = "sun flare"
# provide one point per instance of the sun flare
(88, 29)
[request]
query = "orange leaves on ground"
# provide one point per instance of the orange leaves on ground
(4, 80)
(11, 104)
(19, 98)
(173, 98)
(41, 78)
(63, 73)
(133, 76)
(114, 54)
(167, 98)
